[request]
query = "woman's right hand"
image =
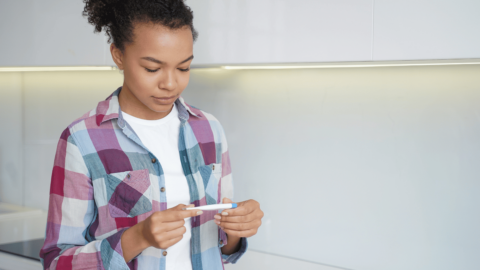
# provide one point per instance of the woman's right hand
(162, 229)
(165, 228)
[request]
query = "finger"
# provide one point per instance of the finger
(247, 233)
(181, 207)
(241, 210)
(180, 214)
(168, 243)
(240, 226)
(173, 225)
(174, 233)
(166, 236)
(227, 200)
(238, 219)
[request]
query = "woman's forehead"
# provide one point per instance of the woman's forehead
(161, 40)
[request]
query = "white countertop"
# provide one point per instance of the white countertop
(20, 224)
(12, 262)
(256, 260)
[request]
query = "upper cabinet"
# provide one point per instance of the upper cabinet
(54, 32)
(281, 31)
(48, 33)
(426, 29)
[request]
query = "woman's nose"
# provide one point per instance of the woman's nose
(168, 81)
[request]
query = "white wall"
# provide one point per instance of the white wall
(366, 169)
(35, 107)
(11, 138)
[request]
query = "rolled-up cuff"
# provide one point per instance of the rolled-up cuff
(112, 253)
(233, 258)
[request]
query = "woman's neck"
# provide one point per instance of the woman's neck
(130, 104)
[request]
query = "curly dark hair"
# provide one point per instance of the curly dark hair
(117, 17)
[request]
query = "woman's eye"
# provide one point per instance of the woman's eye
(150, 70)
(184, 69)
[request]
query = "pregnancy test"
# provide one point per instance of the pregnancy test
(214, 207)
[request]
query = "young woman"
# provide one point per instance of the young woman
(124, 171)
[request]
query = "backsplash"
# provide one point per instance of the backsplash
(388, 156)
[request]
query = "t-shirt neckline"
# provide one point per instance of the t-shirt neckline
(173, 113)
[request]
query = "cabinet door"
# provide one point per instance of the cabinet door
(426, 29)
(48, 33)
(281, 31)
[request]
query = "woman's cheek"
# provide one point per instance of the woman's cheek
(183, 81)
(146, 80)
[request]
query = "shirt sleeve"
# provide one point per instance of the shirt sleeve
(72, 213)
(226, 187)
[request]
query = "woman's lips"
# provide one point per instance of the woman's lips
(165, 99)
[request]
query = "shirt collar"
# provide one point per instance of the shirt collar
(110, 109)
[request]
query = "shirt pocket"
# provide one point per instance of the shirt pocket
(211, 175)
(129, 193)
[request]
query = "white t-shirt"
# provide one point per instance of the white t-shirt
(161, 138)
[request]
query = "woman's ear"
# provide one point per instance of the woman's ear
(117, 56)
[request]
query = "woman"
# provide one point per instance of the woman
(125, 171)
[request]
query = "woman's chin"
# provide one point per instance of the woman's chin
(161, 108)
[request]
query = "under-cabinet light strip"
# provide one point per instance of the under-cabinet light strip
(362, 65)
(72, 68)
(279, 66)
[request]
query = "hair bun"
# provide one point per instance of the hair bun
(100, 13)
(117, 17)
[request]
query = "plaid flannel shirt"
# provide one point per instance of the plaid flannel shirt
(105, 180)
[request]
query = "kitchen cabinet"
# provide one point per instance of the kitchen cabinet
(54, 33)
(282, 31)
(426, 29)
(48, 33)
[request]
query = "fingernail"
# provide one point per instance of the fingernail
(221, 228)
(217, 222)
(217, 217)
(199, 213)
(224, 213)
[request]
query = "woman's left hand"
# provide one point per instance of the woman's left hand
(242, 221)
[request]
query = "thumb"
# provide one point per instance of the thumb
(182, 207)
(227, 200)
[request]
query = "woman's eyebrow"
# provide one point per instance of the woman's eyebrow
(148, 58)
(189, 58)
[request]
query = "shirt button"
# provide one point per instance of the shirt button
(221, 242)
(213, 167)
(128, 176)
(154, 160)
(164, 253)
(162, 189)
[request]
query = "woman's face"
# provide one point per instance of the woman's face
(156, 69)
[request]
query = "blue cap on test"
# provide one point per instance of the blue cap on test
(234, 205)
